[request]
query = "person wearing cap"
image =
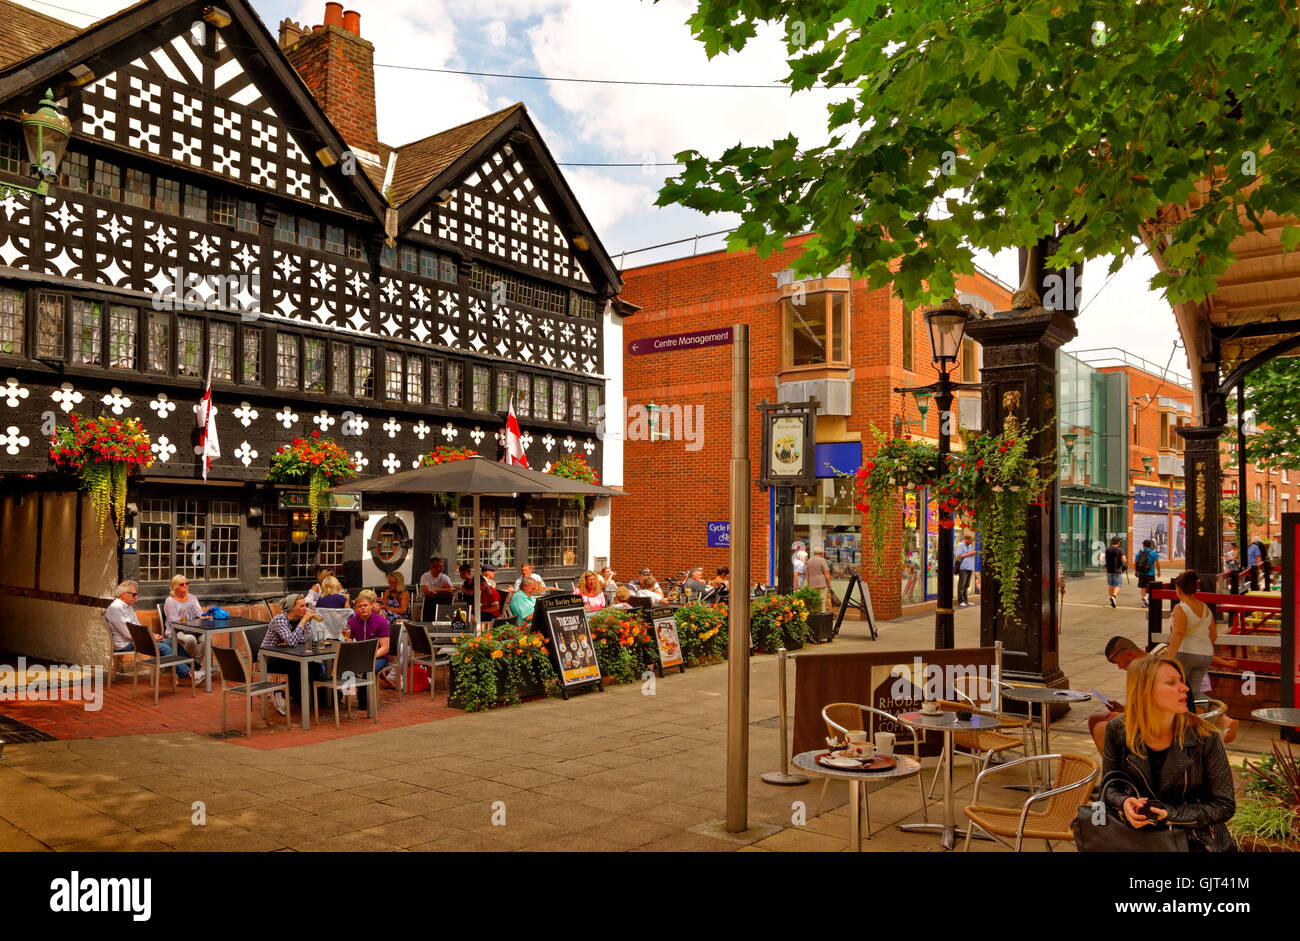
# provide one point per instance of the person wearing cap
(489, 597)
(289, 628)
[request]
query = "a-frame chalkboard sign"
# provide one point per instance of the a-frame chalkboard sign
(663, 621)
(863, 605)
(564, 620)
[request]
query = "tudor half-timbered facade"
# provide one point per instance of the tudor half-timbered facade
(211, 215)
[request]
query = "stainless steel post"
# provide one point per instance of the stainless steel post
(738, 620)
(783, 776)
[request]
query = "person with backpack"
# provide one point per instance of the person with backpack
(1147, 566)
(1253, 557)
(1115, 564)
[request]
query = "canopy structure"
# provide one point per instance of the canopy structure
(477, 477)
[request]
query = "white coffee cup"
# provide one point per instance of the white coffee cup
(885, 744)
(864, 750)
(858, 738)
(930, 708)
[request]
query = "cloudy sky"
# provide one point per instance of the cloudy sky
(605, 123)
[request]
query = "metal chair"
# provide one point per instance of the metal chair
(422, 652)
(117, 654)
(147, 656)
(354, 667)
(417, 607)
(841, 718)
(237, 678)
(1071, 787)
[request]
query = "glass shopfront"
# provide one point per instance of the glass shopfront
(921, 533)
(826, 517)
(1087, 529)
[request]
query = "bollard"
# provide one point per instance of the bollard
(2, 750)
(783, 777)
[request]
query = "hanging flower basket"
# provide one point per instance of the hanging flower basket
(445, 455)
(575, 467)
(102, 452)
(321, 462)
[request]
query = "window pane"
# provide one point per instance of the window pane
(393, 376)
(196, 203)
(415, 380)
(275, 543)
(13, 321)
(505, 386)
(482, 389)
(559, 401)
(455, 384)
(222, 338)
(575, 403)
(167, 196)
(286, 361)
(523, 396)
(428, 264)
(252, 356)
(410, 257)
(805, 330)
(286, 228)
(87, 327)
(388, 256)
(541, 397)
(341, 376)
(247, 220)
(223, 540)
(582, 305)
(224, 208)
(12, 151)
(356, 247)
(837, 327)
(137, 189)
(593, 404)
(160, 342)
(189, 346)
(334, 239)
(435, 382)
(49, 326)
(123, 324)
(446, 269)
(309, 234)
(364, 383)
(78, 175)
(313, 364)
(108, 180)
(155, 540)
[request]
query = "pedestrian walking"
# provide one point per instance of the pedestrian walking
(1147, 565)
(965, 560)
(1115, 565)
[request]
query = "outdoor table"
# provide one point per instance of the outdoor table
(305, 654)
(857, 780)
(947, 723)
(1286, 718)
(1046, 697)
(208, 626)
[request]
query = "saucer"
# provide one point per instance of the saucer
(848, 764)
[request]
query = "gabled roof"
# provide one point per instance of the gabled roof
(421, 161)
(27, 33)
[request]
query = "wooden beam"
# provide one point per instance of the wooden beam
(1258, 279)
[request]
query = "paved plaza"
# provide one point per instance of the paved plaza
(614, 771)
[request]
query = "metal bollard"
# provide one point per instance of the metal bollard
(783, 777)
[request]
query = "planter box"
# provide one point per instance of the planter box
(1256, 844)
(821, 627)
(525, 692)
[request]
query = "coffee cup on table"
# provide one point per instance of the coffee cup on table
(885, 744)
(930, 708)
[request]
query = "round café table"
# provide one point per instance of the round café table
(858, 780)
(947, 723)
(1046, 697)
(1286, 718)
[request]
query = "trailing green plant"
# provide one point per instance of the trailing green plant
(702, 632)
(322, 462)
(899, 463)
(102, 452)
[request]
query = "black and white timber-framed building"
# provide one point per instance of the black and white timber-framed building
(220, 203)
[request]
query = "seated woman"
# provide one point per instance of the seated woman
(396, 600)
(368, 622)
(649, 589)
(589, 589)
(314, 595)
(621, 597)
(1170, 765)
(722, 579)
(332, 594)
(181, 605)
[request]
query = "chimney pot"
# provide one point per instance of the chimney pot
(334, 14)
(352, 22)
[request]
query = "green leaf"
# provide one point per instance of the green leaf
(1290, 237)
(1027, 25)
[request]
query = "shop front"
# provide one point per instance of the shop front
(1090, 518)
(825, 517)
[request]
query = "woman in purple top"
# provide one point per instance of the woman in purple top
(368, 622)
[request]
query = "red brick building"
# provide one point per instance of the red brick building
(831, 338)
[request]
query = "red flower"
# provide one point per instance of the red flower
(980, 462)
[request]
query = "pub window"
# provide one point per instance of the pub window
(252, 356)
(907, 338)
(195, 538)
(447, 268)
(428, 264)
(246, 219)
(363, 382)
(436, 382)
(286, 228)
(78, 175)
(196, 203)
(49, 326)
(225, 208)
(13, 321)
(501, 526)
(388, 256)
(288, 551)
(87, 331)
(575, 404)
(309, 234)
(582, 305)
(415, 380)
(155, 541)
(813, 331)
(410, 257)
(136, 192)
(356, 247)
(341, 374)
(160, 342)
(335, 240)
(523, 396)
(541, 397)
(553, 537)
(313, 364)
(11, 151)
(123, 322)
(393, 376)
(969, 369)
(559, 401)
(108, 181)
(481, 389)
(221, 339)
(286, 361)
(167, 196)
(593, 404)
(189, 346)
(455, 385)
(505, 386)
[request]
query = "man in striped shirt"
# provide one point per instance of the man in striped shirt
(292, 626)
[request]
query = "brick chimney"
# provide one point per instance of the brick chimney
(338, 67)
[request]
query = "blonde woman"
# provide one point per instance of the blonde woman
(396, 600)
(314, 595)
(590, 590)
(332, 594)
(181, 605)
(1165, 765)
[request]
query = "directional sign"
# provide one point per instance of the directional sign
(680, 341)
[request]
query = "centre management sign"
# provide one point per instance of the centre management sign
(680, 341)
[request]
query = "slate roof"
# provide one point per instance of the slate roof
(27, 33)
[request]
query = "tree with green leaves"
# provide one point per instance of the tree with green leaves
(1231, 507)
(1273, 404)
(968, 126)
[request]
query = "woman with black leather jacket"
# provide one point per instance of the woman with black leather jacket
(1163, 765)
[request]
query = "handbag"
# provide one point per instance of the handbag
(1114, 834)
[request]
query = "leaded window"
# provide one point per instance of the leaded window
(455, 385)
(288, 551)
(415, 380)
(13, 321)
(78, 175)
(309, 234)
(559, 401)
(553, 537)
(286, 228)
(108, 181)
(388, 256)
(410, 259)
(505, 386)
(428, 264)
(221, 338)
(582, 305)
(189, 346)
(393, 376)
(246, 219)
(447, 268)
(196, 203)
(341, 374)
(593, 404)
(363, 386)
(335, 240)
(155, 540)
(500, 527)
(49, 325)
(575, 404)
(313, 364)
(252, 356)
(286, 361)
(436, 382)
(356, 247)
(481, 390)
(225, 209)
(517, 288)
(167, 196)
(136, 193)
(195, 538)
(160, 342)
(87, 332)
(523, 396)
(11, 151)
(541, 397)
(123, 323)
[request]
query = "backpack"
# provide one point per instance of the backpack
(1143, 563)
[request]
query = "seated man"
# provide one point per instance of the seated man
(292, 626)
(489, 597)
(522, 602)
(122, 612)
(695, 582)
(368, 622)
(435, 583)
(526, 572)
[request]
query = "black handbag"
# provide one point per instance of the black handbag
(1101, 830)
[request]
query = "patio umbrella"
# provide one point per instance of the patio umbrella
(476, 477)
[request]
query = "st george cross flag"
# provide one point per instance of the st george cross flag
(514, 440)
(208, 445)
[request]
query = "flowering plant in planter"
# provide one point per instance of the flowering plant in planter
(492, 668)
(777, 621)
(898, 463)
(575, 467)
(624, 645)
(102, 451)
(321, 461)
(444, 454)
(702, 632)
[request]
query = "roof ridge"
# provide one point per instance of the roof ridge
(504, 111)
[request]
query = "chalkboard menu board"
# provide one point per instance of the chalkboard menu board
(664, 622)
(564, 618)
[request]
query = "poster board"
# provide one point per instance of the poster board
(663, 621)
(564, 620)
(863, 605)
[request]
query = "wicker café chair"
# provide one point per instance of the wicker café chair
(1070, 788)
(841, 718)
(980, 747)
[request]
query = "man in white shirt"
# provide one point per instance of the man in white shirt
(435, 581)
(122, 612)
(525, 571)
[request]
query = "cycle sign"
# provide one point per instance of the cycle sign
(719, 535)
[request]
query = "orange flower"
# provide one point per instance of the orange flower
(497, 655)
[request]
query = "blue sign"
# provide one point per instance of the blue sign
(843, 456)
(720, 535)
(1147, 499)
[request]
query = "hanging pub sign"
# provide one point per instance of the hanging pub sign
(564, 619)
(301, 500)
(664, 622)
(789, 444)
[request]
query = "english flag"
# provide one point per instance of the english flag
(514, 440)
(208, 444)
